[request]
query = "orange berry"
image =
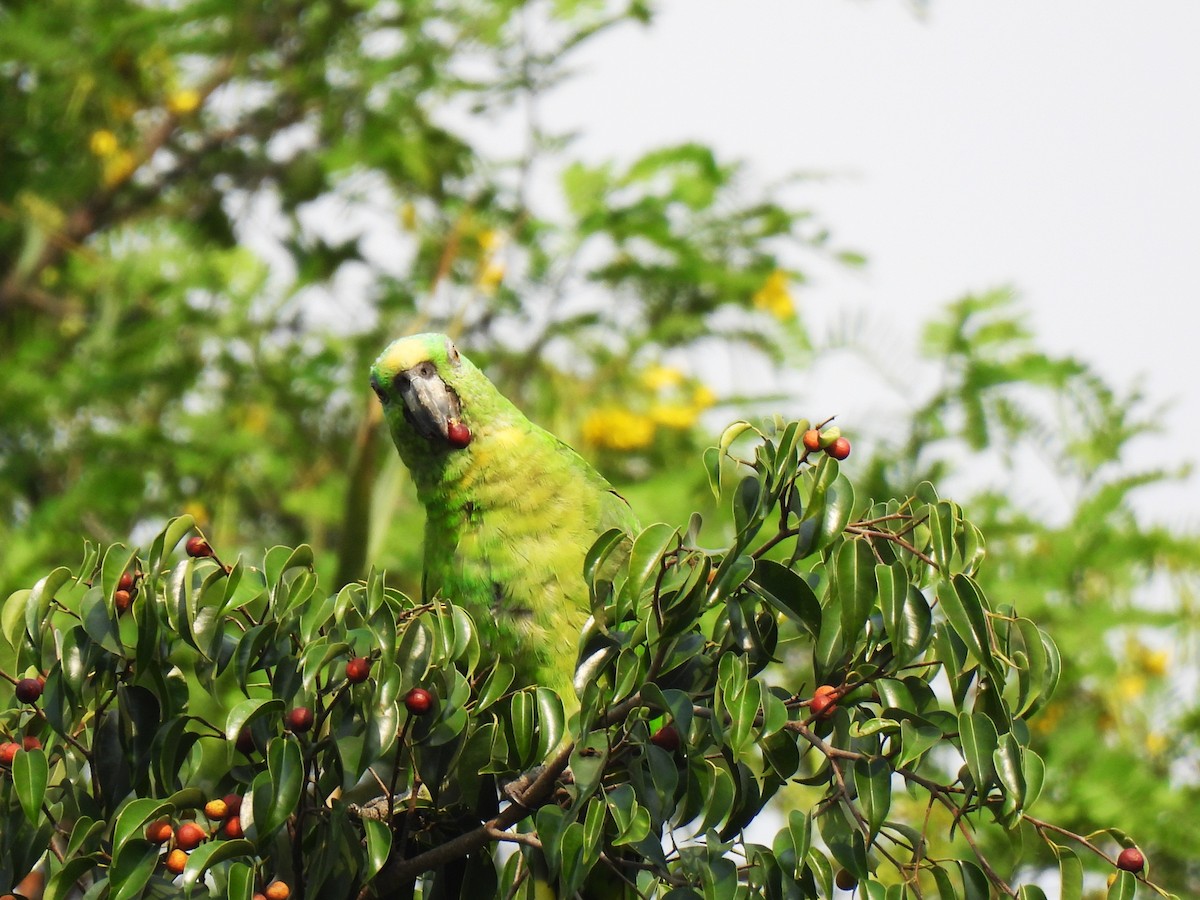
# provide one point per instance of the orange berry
(233, 827)
(216, 809)
(159, 832)
(824, 701)
(176, 861)
(811, 440)
(277, 890)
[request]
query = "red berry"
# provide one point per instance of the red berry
(189, 835)
(122, 600)
(666, 738)
(233, 803)
(245, 741)
(232, 827)
(125, 582)
(159, 832)
(300, 719)
(197, 547)
(824, 701)
(358, 669)
(811, 439)
(1131, 860)
(29, 689)
(418, 701)
(7, 751)
(30, 742)
(839, 449)
(458, 434)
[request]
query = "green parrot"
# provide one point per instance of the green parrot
(511, 510)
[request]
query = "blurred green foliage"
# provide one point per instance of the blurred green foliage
(213, 215)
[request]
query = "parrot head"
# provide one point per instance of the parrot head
(430, 393)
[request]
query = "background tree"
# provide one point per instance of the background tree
(213, 216)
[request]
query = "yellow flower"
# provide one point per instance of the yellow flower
(657, 377)
(1156, 744)
(614, 428)
(103, 143)
(490, 278)
(490, 240)
(673, 415)
(1154, 662)
(703, 397)
(197, 511)
(118, 168)
(183, 102)
(1130, 687)
(774, 296)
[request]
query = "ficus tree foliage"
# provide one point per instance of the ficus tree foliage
(214, 214)
(838, 655)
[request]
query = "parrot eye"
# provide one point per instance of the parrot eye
(379, 391)
(452, 354)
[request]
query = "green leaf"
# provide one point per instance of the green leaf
(631, 818)
(831, 503)
(12, 617)
(979, 740)
(30, 773)
(241, 882)
(65, 881)
(800, 828)
(277, 791)
(747, 500)
(789, 593)
(210, 853)
(133, 817)
(246, 711)
(166, 540)
(131, 870)
(37, 604)
(379, 845)
(963, 605)
(84, 829)
(916, 737)
(873, 781)
(1070, 872)
(855, 587)
(1034, 776)
(1008, 765)
(1123, 887)
(975, 882)
(644, 559)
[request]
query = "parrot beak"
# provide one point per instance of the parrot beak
(430, 405)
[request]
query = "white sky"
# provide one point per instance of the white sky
(1054, 147)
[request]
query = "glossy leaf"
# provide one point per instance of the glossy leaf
(30, 775)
